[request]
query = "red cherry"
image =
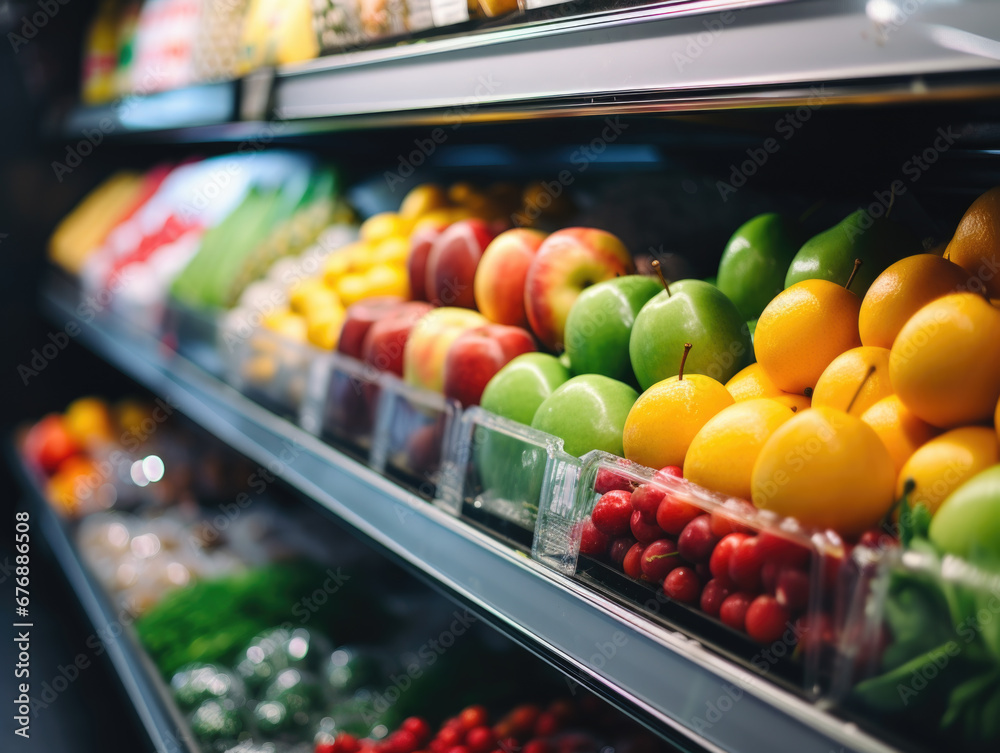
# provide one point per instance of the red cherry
(632, 564)
(592, 541)
(548, 722)
(712, 596)
(697, 540)
(325, 747)
(766, 619)
(619, 548)
(728, 517)
(538, 746)
(563, 711)
(745, 563)
(644, 529)
(523, 718)
(668, 472)
(612, 513)
(658, 559)
(458, 749)
(450, 736)
(646, 499)
(346, 743)
(815, 632)
(608, 480)
(792, 590)
(875, 538)
(682, 585)
(674, 513)
(733, 610)
(719, 562)
(769, 576)
(776, 548)
(403, 741)
(480, 740)
(419, 727)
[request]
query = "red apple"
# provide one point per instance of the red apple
(499, 283)
(478, 354)
(359, 318)
(386, 339)
(48, 443)
(421, 241)
(568, 261)
(451, 266)
(429, 342)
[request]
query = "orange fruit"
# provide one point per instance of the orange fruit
(723, 452)
(826, 469)
(975, 247)
(803, 329)
(946, 462)
(666, 417)
(751, 383)
(902, 290)
(945, 363)
(846, 382)
(901, 432)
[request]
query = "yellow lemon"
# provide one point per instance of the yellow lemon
(324, 327)
(665, 418)
(289, 325)
(312, 294)
(846, 382)
(423, 199)
(900, 431)
(946, 462)
(827, 469)
(796, 402)
(392, 250)
(88, 421)
(902, 290)
(945, 363)
(976, 244)
(352, 288)
(803, 329)
(723, 452)
(382, 225)
(387, 279)
(752, 382)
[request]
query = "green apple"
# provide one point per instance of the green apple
(692, 311)
(588, 413)
(516, 391)
(755, 261)
(877, 242)
(600, 324)
(967, 524)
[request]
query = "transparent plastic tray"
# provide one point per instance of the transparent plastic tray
(805, 565)
(270, 369)
(413, 435)
(920, 657)
(501, 467)
(341, 403)
(194, 334)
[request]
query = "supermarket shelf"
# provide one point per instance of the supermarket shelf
(167, 731)
(669, 679)
(674, 56)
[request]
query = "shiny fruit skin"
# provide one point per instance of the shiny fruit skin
(674, 513)
(745, 564)
(658, 559)
(755, 260)
(945, 363)
(632, 564)
(644, 528)
(968, 522)
(685, 405)
(843, 383)
(712, 596)
(646, 500)
(752, 382)
(588, 412)
(721, 555)
(498, 285)
(619, 548)
(696, 541)
(803, 329)
(733, 610)
(827, 469)
(728, 517)
(946, 462)
(900, 430)
(902, 290)
(723, 452)
(792, 589)
(683, 585)
(612, 513)
(976, 240)
(766, 620)
(593, 542)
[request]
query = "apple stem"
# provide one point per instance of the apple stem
(655, 264)
(857, 266)
(684, 358)
(871, 370)
(808, 392)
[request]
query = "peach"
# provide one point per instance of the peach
(427, 346)
(477, 354)
(568, 261)
(451, 265)
(499, 283)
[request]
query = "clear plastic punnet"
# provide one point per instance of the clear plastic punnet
(269, 368)
(194, 334)
(341, 402)
(413, 435)
(919, 658)
(757, 588)
(501, 467)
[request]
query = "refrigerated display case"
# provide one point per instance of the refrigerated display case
(668, 124)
